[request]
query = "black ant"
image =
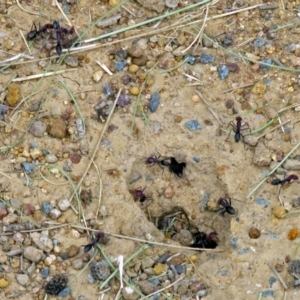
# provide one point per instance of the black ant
(176, 167)
(237, 128)
(139, 195)
(152, 160)
(100, 238)
(202, 240)
(225, 207)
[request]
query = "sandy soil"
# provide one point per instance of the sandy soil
(225, 167)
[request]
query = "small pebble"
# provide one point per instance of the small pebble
(77, 264)
(279, 212)
(227, 40)
(55, 213)
(123, 100)
(190, 59)
(73, 250)
(169, 192)
(13, 96)
(154, 102)
(3, 283)
(33, 254)
(58, 128)
(135, 177)
(38, 128)
(46, 207)
(120, 65)
(254, 233)
(196, 98)
(22, 279)
(135, 51)
(71, 61)
(45, 272)
(266, 64)
(134, 90)
(159, 269)
(259, 42)
(146, 287)
(193, 125)
(262, 201)
(97, 76)
(171, 3)
(100, 270)
(51, 158)
(107, 89)
(223, 72)
(196, 159)
(28, 167)
(292, 164)
(133, 69)
(207, 59)
(64, 204)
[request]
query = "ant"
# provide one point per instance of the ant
(100, 238)
(138, 194)
(237, 128)
(282, 182)
(59, 33)
(225, 207)
(202, 240)
(176, 167)
(152, 160)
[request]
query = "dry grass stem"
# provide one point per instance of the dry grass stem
(53, 183)
(25, 41)
(199, 35)
(97, 145)
(42, 75)
(104, 67)
(150, 242)
(273, 129)
(3, 174)
(100, 188)
(167, 287)
(62, 12)
(239, 87)
(29, 12)
(16, 57)
(279, 277)
(209, 107)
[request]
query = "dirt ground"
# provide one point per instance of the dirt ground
(242, 268)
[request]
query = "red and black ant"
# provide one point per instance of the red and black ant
(237, 128)
(285, 181)
(138, 195)
(225, 207)
(59, 33)
(100, 238)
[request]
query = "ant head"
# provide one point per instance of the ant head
(220, 200)
(294, 177)
(238, 119)
(100, 235)
(212, 235)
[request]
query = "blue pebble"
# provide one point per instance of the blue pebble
(193, 125)
(190, 59)
(261, 201)
(65, 292)
(273, 236)
(234, 242)
(154, 281)
(154, 102)
(259, 42)
(55, 242)
(272, 280)
(28, 167)
(180, 269)
(107, 89)
(46, 207)
(196, 159)
(267, 293)
(120, 65)
(156, 296)
(223, 272)
(44, 272)
(268, 81)
(55, 91)
(287, 128)
(34, 145)
(243, 250)
(265, 64)
(90, 278)
(149, 177)
(207, 59)
(223, 72)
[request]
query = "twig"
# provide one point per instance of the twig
(16, 57)
(29, 12)
(25, 41)
(199, 35)
(3, 174)
(279, 277)
(239, 87)
(100, 189)
(41, 75)
(150, 242)
(97, 145)
(104, 67)
(62, 12)
(272, 171)
(209, 107)
(164, 288)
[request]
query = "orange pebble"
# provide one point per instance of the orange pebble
(293, 234)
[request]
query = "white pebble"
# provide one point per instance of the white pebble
(64, 204)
